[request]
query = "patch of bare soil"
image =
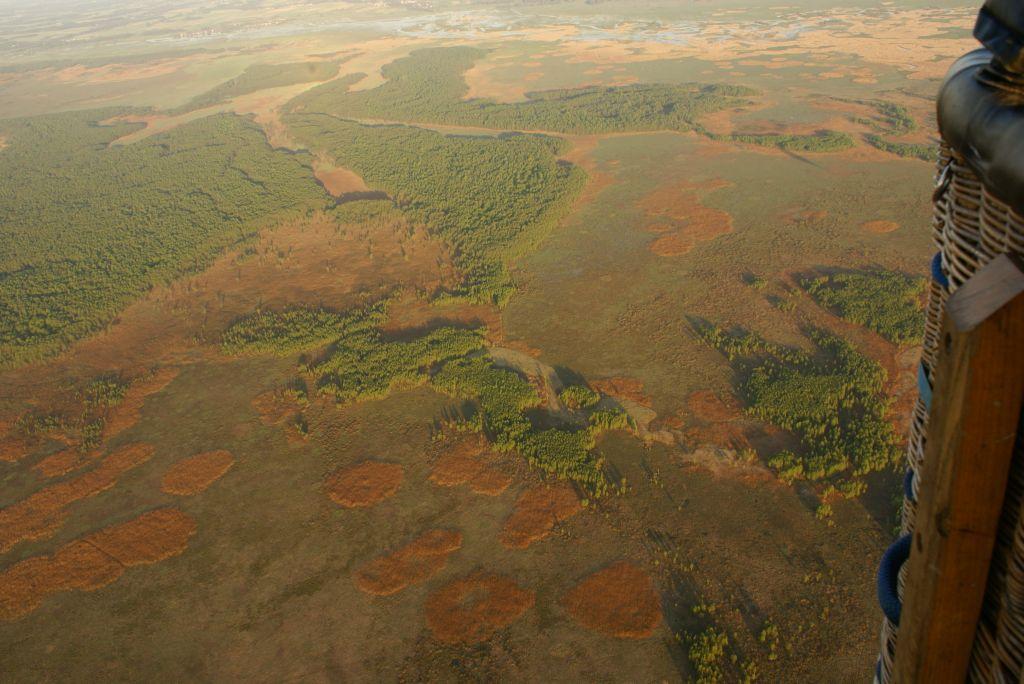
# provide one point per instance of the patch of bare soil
(619, 601)
(471, 609)
(623, 388)
(95, 560)
(537, 512)
(365, 484)
(336, 180)
(195, 473)
(681, 219)
(41, 514)
(416, 562)
(880, 227)
(463, 463)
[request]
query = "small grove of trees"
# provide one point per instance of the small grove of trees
(359, 364)
(832, 400)
(884, 301)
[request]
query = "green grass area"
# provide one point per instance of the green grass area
(493, 199)
(832, 400)
(428, 86)
(87, 227)
(884, 301)
(262, 76)
(360, 364)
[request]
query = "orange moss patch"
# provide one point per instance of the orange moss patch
(275, 406)
(803, 215)
(126, 414)
(462, 464)
(682, 219)
(415, 562)
(879, 227)
(619, 601)
(13, 450)
(708, 406)
(622, 388)
(365, 484)
(471, 609)
(41, 514)
(536, 513)
(94, 561)
(195, 473)
(64, 461)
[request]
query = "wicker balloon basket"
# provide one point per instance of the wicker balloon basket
(970, 227)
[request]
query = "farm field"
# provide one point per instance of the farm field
(448, 341)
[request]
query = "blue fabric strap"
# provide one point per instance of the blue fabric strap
(888, 576)
(924, 386)
(937, 274)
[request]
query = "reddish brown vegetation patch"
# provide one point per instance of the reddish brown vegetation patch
(622, 388)
(195, 473)
(64, 461)
(43, 513)
(416, 562)
(126, 414)
(709, 407)
(275, 406)
(537, 512)
(471, 609)
(13, 449)
(619, 601)
(462, 464)
(365, 484)
(682, 219)
(879, 227)
(802, 215)
(94, 561)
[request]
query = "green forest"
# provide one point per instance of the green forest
(892, 119)
(884, 301)
(261, 76)
(493, 199)
(832, 400)
(88, 227)
(428, 86)
(360, 364)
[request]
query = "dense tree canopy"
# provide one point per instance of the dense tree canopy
(87, 226)
(491, 198)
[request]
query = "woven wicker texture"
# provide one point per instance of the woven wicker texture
(971, 227)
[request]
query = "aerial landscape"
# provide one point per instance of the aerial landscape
(459, 340)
